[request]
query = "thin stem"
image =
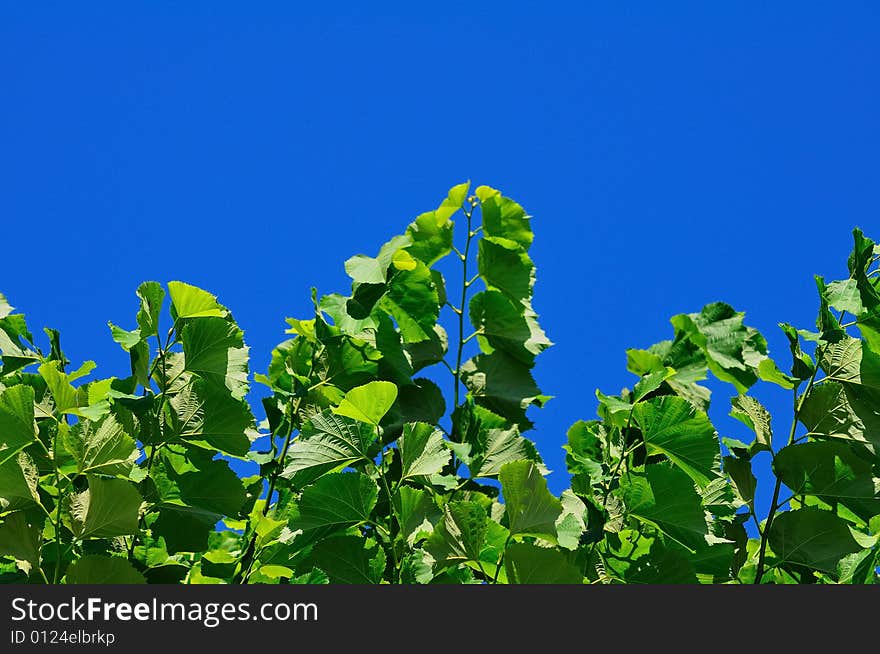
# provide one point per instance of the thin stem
(60, 501)
(462, 305)
(501, 559)
(774, 502)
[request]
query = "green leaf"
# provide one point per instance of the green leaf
(368, 403)
(504, 325)
(845, 296)
(151, 295)
(459, 536)
(328, 443)
(127, 339)
(417, 511)
(422, 450)
(664, 496)
(369, 270)
(636, 559)
(212, 486)
(506, 267)
(214, 350)
(349, 560)
(20, 538)
(531, 509)
(529, 564)
(833, 471)
(828, 412)
(101, 447)
(753, 415)
(733, 351)
(18, 483)
(431, 232)
(336, 501)
(95, 569)
(504, 218)
(493, 448)
(109, 507)
(183, 529)
(740, 471)
(191, 302)
(59, 385)
(17, 426)
(413, 301)
(211, 418)
(5, 307)
(672, 426)
(811, 537)
(572, 522)
(584, 448)
(503, 385)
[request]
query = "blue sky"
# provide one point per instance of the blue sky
(671, 156)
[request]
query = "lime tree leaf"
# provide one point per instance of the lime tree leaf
(127, 339)
(20, 539)
(636, 559)
(349, 560)
(828, 412)
(664, 496)
(529, 564)
(374, 270)
(337, 501)
(413, 301)
(417, 511)
(63, 393)
(151, 295)
(733, 351)
(503, 385)
(101, 447)
(209, 417)
(830, 470)
(96, 569)
(740, 472)
(506, 267)
(17, 426)
(109, 507)
(19, 478)
(368, 403)
(184, 529)
(844, 295)
(459, 536)
(858, 568)
(16, 354)
(5, 307)
(191, 302)
(811, 537)
(214, 350)
(584, 448)
(753, 415)
(504, 325)
(531, 509)
(328, 443)
(504, 218)
(422, 450)
(572, 522)
(848, 360)
(493, 448)
(672, 426)
(212, 486)
(431, 232)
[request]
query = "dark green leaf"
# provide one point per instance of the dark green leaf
(531, 509)
(811, 537)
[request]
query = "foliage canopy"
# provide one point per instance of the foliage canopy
(370, 473)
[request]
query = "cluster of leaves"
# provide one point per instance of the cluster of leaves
(367, 476)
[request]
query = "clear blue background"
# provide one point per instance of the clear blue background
(671, 156)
